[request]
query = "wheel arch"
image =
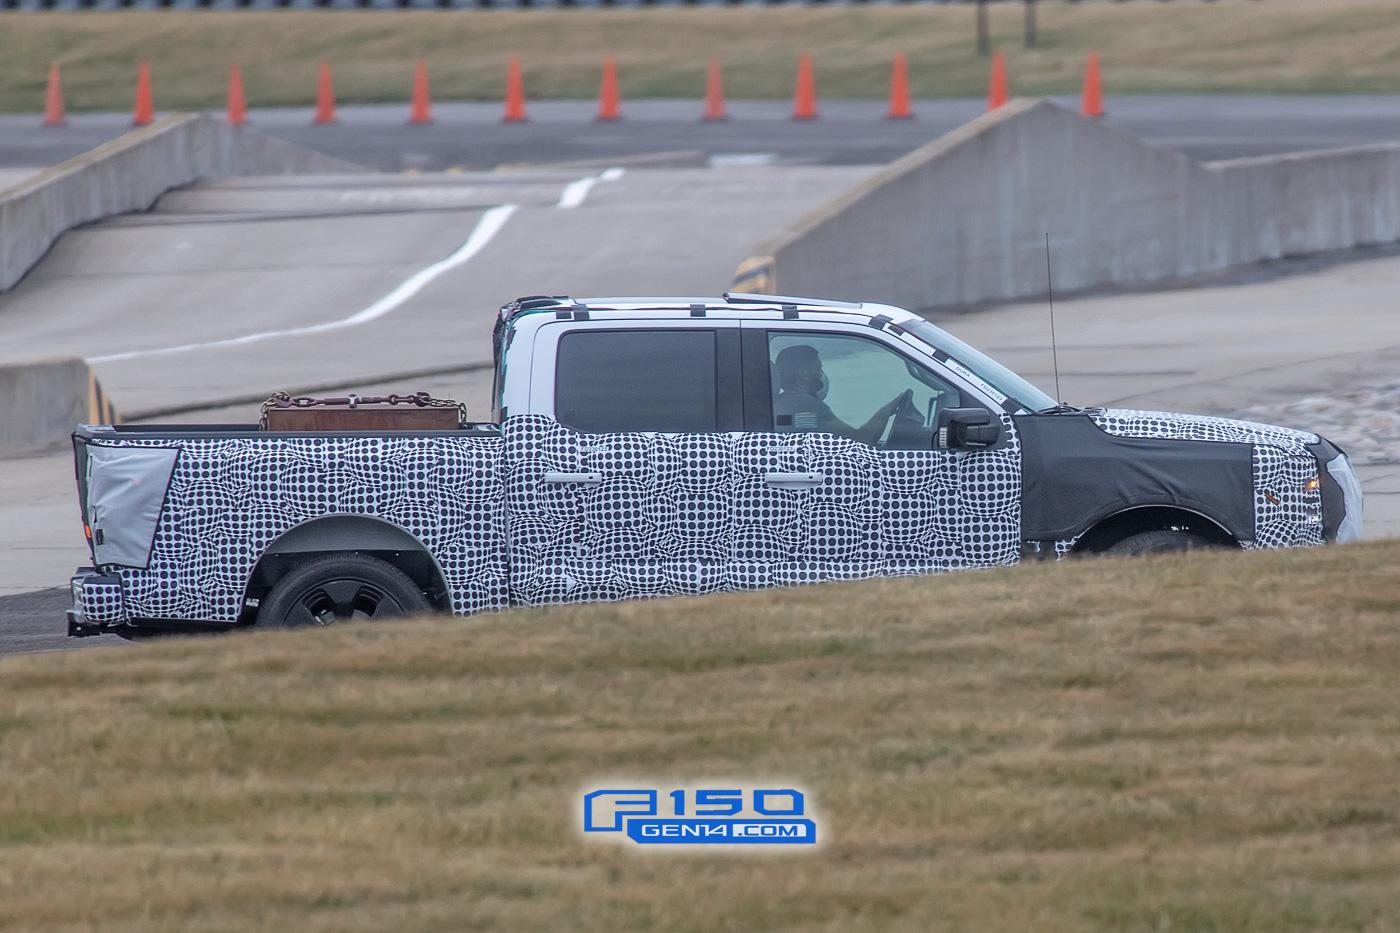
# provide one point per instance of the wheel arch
(1108, 530)
(348, 534)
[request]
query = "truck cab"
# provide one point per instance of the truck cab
(646, 447)
(678, 445)
(765, 440)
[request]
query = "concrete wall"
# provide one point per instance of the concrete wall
(963, 220)
(41, 402)
(130, 172)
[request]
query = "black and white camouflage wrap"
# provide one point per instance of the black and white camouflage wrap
(230, 498)
(692, 513)
(674, 514)
(1285, 514)
(99, 600)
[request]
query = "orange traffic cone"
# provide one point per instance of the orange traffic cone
(609, 103)
(421, 112)
(145, 110)
(714, 93)
(899, 90)
(325, 96)
(804, 102)
(53, 98)
(1092, 105)
(996, 87)
(237, 104)
(515, 93)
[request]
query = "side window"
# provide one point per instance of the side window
(609, 381)
(855, 387)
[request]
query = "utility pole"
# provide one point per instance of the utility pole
(984, 41)
(1030, 24)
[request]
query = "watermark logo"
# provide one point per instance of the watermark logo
(748, 816)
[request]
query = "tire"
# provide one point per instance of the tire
(340, 588)
(1163, 541)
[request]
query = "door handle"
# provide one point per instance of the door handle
(583, 479)
(794, 480)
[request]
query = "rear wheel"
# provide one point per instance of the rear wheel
(1162, 541)
(340, 588)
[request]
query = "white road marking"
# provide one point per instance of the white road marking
(728, 159)
(575, 192)
(486, 229)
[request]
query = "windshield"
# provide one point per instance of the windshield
(986, 368)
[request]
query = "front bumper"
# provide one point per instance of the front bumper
(98, 604)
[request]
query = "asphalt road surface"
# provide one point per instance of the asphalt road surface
(472, 136)
(234, 288)
(1237, 343)
(231, 289)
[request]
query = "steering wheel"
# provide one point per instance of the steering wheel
(904, 413)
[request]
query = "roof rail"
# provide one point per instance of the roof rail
(668, 301)
(541, 301)
(744, 298)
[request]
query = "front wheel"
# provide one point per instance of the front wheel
(340, 588)
(1163, 541)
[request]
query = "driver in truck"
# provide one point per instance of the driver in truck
(800, 406)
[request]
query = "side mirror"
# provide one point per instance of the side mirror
(973, 428)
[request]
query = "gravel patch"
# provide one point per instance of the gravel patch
(1365, 421)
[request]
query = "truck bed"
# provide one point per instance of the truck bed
(184, 531)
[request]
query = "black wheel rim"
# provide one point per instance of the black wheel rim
(343, 599)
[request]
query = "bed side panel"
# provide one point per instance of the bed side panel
(231, 497)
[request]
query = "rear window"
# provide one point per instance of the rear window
(636, 380)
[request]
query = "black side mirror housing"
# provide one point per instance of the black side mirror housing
(972, 428)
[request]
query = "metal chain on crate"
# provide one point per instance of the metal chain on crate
(281, 399)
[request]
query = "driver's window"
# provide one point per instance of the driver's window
(854, 387)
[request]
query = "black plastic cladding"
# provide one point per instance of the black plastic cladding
(1074, 475)
(1333, 504)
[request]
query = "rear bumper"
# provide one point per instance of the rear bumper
(98, 604)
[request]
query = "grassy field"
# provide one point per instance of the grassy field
(1232, 45)
(1208, 742)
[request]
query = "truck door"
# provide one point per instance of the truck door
(841, 475)
(620, 481)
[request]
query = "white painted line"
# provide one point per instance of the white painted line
(728, 159)
(575, 192)
(486, 229)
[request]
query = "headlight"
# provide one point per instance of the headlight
(1340, 469)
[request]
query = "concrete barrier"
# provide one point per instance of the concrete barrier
(41, 402)
(962, 221)
(130, 173)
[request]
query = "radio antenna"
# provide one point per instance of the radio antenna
(1050, 291)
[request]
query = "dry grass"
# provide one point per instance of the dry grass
(1200, 743)
(1232, 45)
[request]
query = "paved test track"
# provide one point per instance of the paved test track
(471, 135)
(356, 277)
(298, 282)
(343, 279)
